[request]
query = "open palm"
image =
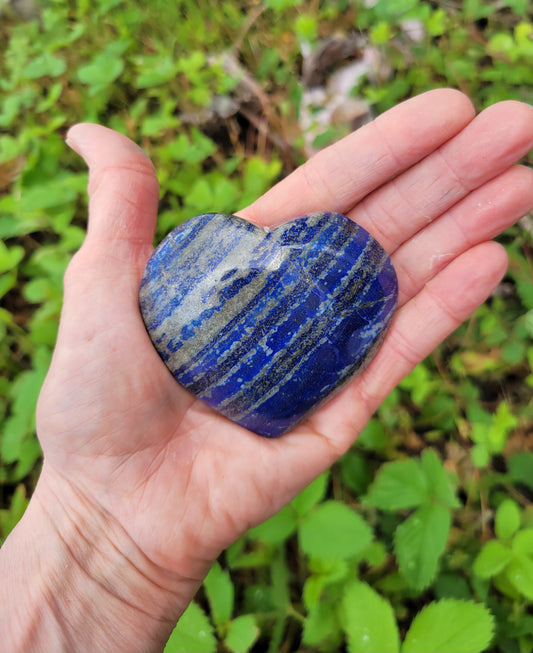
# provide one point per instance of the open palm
(432, 183)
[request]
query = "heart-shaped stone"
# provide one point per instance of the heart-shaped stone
(265, 324)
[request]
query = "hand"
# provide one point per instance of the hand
(163, 472)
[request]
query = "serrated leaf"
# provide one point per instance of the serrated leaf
(519, 572)
(312, 494)
(220, 594)
(419, 542)
(493, 558)
(450, 625)
(347, 532)
(193, 633)
(368, 620)
(437, 478)
(398, 485)
(507, 519)
(242, 633)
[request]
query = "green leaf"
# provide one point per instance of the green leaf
(523, 541)
(322, 626)
(193, 633)
(11, 516)
(398, 485)
(507, 519)
(276, 529)
(437, 478)
(368, 620)
(347, 532)
(220, 594)
(373, 437)
(520, 467)
(45, 64)
(419, 542)
(242, 633)
(519, 572)
(312, 494)
(493, 558)
(10, 257)
(355, 472)
(450, 626)
(105, 68)
(156, 70)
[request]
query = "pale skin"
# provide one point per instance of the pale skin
(142, 485)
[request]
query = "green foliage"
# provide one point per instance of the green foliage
(368, 620)
(508, 560)
(423, 530)
(420, 540)
(458, 626)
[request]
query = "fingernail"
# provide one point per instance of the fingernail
(74, 141)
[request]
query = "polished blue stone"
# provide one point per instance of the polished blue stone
(265, 325)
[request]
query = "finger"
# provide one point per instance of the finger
(482, 215)
(418, 327)
(487, 146)
(123, 193)
(338, 177)
(101, 284)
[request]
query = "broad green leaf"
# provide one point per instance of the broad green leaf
(373, 437)
(502, 424)
(523, 541)
(242, 633)
(355, 472)
(46, 64)
(521, 468)
(105, 68)
(368, 620)
(493, 558)
(450, 626)
(10, 257)
(507, 519)
(100, 73)
(398, 485)
(156, 70)
(21, 423)
(220, 594)
(420, 541)
(333, 530)
(276, 529)
(193, 633)
(519, 572)
(438, 480)
(312, 494)
(322, 625)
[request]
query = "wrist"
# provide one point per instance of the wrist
(75, 581)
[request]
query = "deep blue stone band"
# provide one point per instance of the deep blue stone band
(264, 325)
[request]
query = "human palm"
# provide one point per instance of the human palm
(429, 181)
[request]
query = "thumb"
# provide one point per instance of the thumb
(123, 194)
(102, 281)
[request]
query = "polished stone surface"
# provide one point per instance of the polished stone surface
(265, 325)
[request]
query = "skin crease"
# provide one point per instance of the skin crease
(142, 485)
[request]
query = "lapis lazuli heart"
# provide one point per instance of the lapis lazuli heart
(265, 324)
